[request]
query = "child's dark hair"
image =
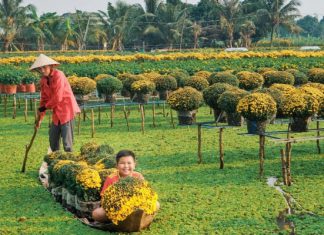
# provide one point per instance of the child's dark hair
(124, 153)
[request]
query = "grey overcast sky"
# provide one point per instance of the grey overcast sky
(308, 7)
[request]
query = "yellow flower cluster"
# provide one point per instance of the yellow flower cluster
(152, 76)
(203, 74)
(89, 179)
(257, 106)
(61, 163)
(283, 88)
(101, 76)
(82, 85)
(299, 104)
(185, 99)
(126, 196)
(143, 86)
(169, 56)
(249, 80)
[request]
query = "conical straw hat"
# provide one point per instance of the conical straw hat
(43, 60)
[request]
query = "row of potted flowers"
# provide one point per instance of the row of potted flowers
(15, 80)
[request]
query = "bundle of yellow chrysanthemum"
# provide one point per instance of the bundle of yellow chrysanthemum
(126, 196)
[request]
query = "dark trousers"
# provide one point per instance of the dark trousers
(66, 132)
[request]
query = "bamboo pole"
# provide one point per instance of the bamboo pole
(92, 124)
(5, 105)
(84, 114)
(283, 166)
(163, 109)
(261, 155)
(221, 149)
(112, 110)
(153, 113)
(99, 115)
(19, 105)
(199, 144)
(126, 117)
(31, 104)
(26, 109)
(288, 163)
(27, 150)
(172, 121)
(79, 123)
(35, 109)
(318, 135)
(142, 117)
(14, 107)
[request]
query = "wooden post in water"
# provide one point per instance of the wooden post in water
(126, 117)
(14, 107)
(199, 144)
(142, 117)
(79, 123)
(112, 110)
(153, 113)
(26, 109)
(221, 149)
(172, 121)
(92, 124)
(318, 135)
(283, 166)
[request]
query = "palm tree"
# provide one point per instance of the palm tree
(13, 17)
(247, 30)
(276, 13)
(39, 28)
(230, 11)
(65, 34)
(197, 30)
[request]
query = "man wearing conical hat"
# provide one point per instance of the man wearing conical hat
(57, 95)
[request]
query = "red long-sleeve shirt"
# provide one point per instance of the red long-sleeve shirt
(56, 94)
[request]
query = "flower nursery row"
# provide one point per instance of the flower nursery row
(169, 56)
(76, 179)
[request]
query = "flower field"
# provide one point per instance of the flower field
(194, 198)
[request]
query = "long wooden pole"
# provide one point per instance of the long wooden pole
(126, 117)
(92, 124)
(283, 166)
(142, 117)
(199, 144)
(112, 110)
(84, 114)
(35, 109)
(318, 135)
(261, 155)
(26, 109)
(288, 163)
(5, 105)
(14, 107)
(221, 149)
(79, 123)
(153, 113)
(99, 115)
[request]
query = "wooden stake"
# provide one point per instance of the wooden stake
(318, 135)
(153, 111)
(288, 163)
(79, 123)
(31, 103)
(27, 150)
(283, 166)
(142, 117)
(221, 150)
(112, 110)
(172, 121)
(26, 109)
(14, 107)
(84, 114)
(261, 155)
(92, 124)
(18, 102)
(35, 109)
(99, 115)
(199, 144)
(126, 117)
(163, 108)
(5, 105)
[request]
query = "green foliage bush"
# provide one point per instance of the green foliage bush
(223, 77)
(300, 77)
(109, 86)
(199, 83)
(212, 93)
(165, 83)
(282, 77)
(229, 99)
(316, 75)
(181, 76)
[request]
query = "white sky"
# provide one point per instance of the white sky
(308, 7)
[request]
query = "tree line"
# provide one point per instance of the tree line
(157, 24)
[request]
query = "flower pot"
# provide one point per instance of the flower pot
(141, 98)
(21, 88)
(234, 119)
(217, 112)
(163, 95)
(300, 124)
(110, 98)
(81, 99)
(187, 117)
(31, 88)
(256, 127)
(10, 89)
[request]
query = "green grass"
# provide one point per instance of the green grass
(195, 198)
